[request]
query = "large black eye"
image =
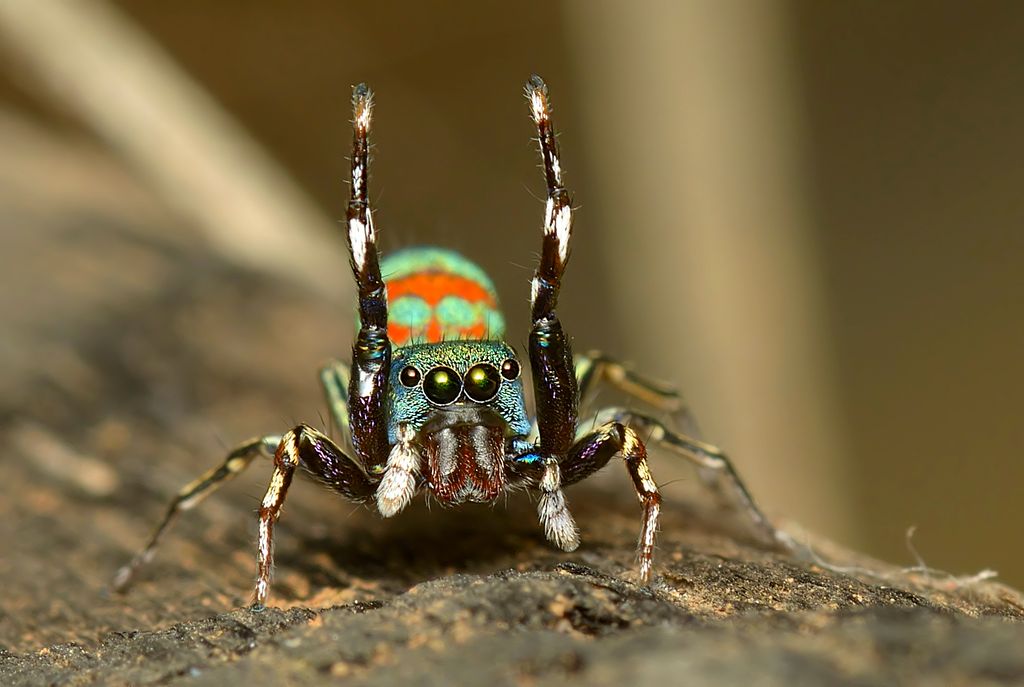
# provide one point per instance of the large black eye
(409, 376)
(510, 369)
(482, 382)
(442, 385)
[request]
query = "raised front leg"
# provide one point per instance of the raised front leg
(554, 377)
(194, 492)
(371, 353)
(313, 451)
(554, 380)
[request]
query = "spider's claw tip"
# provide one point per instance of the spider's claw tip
(537, 94)
(362, 104)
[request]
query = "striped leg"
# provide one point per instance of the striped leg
(371, 353)
(708, 457)
(554, 378)
(593, 452)
(194, 492)
(319, 456)
(594, 368)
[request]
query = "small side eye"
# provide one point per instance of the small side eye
(510, 369)
(409, 376)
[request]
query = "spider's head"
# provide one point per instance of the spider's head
(456, 377)
(463, 400)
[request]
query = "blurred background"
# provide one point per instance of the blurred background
(808, 215)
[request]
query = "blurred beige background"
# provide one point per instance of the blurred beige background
(807, 214)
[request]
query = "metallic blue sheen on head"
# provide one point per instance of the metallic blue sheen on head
(410, 405)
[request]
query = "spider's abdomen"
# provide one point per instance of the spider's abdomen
(437, 295)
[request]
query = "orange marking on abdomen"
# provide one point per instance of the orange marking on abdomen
(434, 286)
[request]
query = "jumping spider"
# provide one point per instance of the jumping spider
(434, 397)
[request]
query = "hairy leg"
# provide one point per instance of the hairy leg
(554, 380)
(319, 456)
(371, 353)
(593, 451)
(194, 492)
(709, 458)
(595, 369)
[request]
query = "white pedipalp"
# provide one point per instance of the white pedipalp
(398, 485)
(559, 526)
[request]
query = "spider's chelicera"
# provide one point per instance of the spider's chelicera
(434, 400)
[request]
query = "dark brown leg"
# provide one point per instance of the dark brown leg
(371, 353)
(711, 458)
(194, 492)
(554, 380)
(595, 368)
(319, 456)
(593, 452)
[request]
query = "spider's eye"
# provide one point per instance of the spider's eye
(510, 369)
(482, 382)
(409, 377)
(442, 385)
